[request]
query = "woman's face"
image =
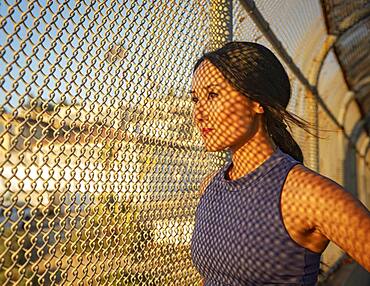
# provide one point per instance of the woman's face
(219, 106)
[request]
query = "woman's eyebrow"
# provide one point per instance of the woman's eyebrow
(206, 87)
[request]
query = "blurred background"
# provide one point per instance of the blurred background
(100, 164)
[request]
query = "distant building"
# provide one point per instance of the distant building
(67, 154)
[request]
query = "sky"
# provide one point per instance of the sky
(60, 50)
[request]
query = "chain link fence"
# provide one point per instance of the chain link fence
(100, 162)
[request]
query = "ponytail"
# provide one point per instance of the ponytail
(282, 137)
(277, 129)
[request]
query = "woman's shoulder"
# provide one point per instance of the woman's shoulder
(300, 177)
(314, 193)
(331, 210)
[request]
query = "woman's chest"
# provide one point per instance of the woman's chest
(239, 235)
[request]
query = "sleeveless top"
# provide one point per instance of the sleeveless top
(239, 236)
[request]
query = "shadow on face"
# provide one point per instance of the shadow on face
(225, 117)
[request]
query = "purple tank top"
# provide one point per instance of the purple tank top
(239, 236)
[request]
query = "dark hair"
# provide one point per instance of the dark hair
(257, 73)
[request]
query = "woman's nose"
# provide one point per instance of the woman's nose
(200, 114)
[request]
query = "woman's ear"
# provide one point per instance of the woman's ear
(258, 108)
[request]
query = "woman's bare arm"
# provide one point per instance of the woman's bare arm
(335, 213)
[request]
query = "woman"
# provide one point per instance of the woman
(264, 218)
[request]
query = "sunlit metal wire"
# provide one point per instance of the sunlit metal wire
(93, 106)
(100, 162)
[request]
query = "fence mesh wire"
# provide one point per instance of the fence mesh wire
(100, 161)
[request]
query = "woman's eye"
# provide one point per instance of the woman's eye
(212, 94)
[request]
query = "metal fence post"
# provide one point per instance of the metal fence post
(221, 30)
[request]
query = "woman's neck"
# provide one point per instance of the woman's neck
(250, 155)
